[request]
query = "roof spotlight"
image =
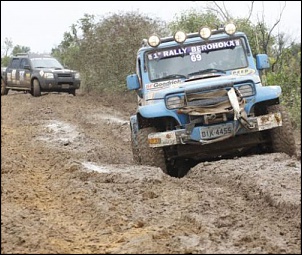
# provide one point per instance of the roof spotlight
(153, 40)
(230, 29)
(205, 32)
(180, 36)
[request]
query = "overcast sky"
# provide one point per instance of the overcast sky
(40, 25)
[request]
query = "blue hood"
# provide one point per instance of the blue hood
(178, 86)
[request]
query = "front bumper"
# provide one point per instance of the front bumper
(215, 133)
(62, 84)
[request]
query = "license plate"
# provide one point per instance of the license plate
(65, 86)
(216, 131)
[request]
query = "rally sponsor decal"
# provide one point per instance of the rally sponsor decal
(196, 49)
(162, 84)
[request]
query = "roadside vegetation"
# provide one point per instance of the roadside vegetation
(104, 49)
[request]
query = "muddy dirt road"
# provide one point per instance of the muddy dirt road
(69, 185)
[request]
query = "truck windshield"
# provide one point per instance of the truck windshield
(185, 60)
(46, 63)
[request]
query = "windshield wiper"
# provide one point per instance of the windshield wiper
(171, 76)
(206, 71)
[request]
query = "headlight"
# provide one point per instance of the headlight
(77, 76)
(48, 75)
(205, 33)
(230, 29)
(154, 41)
(180, 36)
(246, 90)
(175, 102)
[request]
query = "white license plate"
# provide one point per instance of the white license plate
(216, 131)
(65, 86)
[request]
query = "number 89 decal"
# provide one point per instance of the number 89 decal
(195, 57)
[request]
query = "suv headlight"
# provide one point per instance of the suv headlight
(77, 76)
(175, 102)
(48, 75)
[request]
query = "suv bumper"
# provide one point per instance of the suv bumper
(215, 133)
(62, 85)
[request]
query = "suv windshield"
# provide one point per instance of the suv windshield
(187, 60)
(46, 63)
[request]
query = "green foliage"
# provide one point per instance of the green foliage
(191, 21)
(20, 49)
(4, 61)
(288, 75)
(106, 52)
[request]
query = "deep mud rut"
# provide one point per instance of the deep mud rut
(69, 185)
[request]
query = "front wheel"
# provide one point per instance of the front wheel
(148, 155)
(282, 137)
(4, 90)
(36, 88)
(72, 91)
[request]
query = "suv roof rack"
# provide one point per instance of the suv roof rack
(22, 54)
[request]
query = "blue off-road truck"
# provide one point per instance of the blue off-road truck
(200, 97)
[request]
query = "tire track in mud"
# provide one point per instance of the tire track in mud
(247, 201)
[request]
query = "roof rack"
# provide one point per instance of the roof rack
(22, 54)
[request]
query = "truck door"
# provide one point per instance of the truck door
(13, 73)
(24, 73)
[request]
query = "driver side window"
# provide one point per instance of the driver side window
(23, 63)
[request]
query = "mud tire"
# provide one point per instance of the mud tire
(282, 138)
(36, 88)
(150, 156)
(72, 92)
(4, 90)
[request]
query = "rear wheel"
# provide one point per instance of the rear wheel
(36, 88)
(4, 90)
(283, 137)
(148, 155)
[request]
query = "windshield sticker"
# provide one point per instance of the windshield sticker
(244, 71)
(196, 49)
(162, 84)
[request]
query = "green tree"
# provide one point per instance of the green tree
(8, 45)
(192, 20)
(105, 51)
(20, 49)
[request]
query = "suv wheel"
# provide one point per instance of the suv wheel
(4, 90)
(36, 88)
(72, 91)
(283, 137)
(150, 156)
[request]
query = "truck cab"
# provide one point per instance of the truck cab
(200, 97)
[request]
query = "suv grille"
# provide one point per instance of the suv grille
(64, 75)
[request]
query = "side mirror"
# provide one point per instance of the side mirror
(27, 67)
(132, 82)
(262, 61)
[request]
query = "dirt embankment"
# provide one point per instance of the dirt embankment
(69, 185)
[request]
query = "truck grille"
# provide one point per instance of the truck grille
(207, 99)
(64, 75)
